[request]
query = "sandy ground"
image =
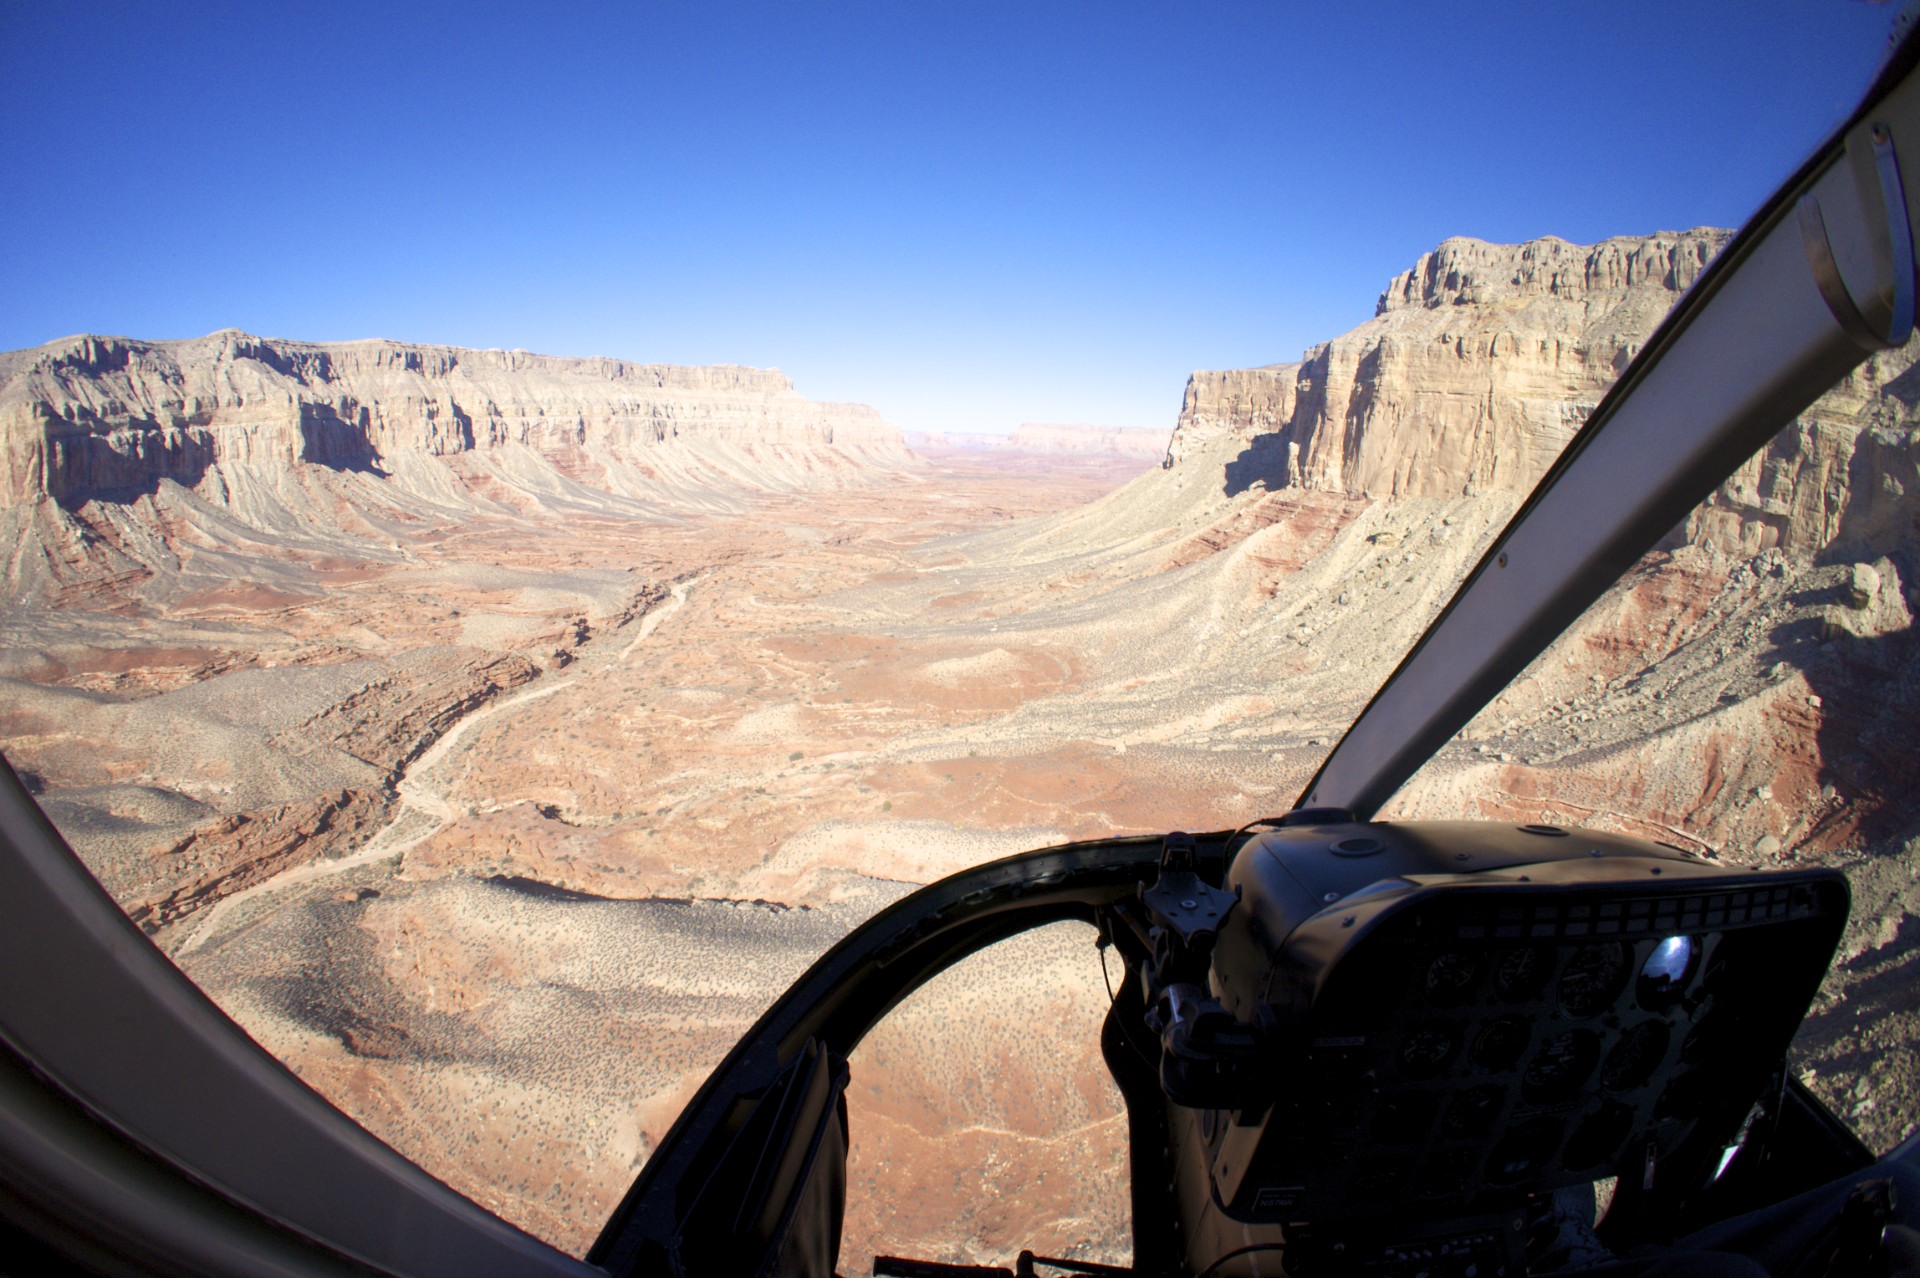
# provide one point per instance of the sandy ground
(501, 840)
(622, 781)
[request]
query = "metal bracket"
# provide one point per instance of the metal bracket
(1208, 1058)
(1184, 905)
(1826, 271)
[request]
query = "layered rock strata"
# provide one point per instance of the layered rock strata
(120, 459)
(100, 416)
(1483, 360)
(1478, 366)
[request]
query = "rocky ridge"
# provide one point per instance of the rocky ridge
(1480, 363)
(96, 416)
(115, 453)
(1478, 366)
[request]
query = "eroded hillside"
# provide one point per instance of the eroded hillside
(126, 465)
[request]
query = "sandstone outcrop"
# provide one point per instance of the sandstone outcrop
(1478, 366)
(1841, 481)
(1243, 405)
(235, 852)
(1483, 360)
(100, 416)
(393, 719)
(118, 458)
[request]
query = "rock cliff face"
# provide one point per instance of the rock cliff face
(1244, 405)
(1483, 360)
(106, 417)
(1840, 481)
(120, 460)
(1478, 366)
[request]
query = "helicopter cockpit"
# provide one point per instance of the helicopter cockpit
(1345, 1046)
(1350, 1046)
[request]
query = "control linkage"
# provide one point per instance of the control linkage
(1209, 1059)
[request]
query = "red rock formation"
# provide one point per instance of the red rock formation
(236, 852)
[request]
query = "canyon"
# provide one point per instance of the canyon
(493, 735)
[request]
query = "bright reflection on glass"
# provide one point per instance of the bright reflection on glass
(1726, 1160)
(1666, 968)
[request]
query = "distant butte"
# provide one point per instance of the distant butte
(1053, 439)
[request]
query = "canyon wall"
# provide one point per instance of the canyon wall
(1479, 364)
(121, 460)
(1483, 360)
(1248, 406)
(91, 417)
(1840, 481)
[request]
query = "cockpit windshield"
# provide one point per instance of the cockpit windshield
(494, 735)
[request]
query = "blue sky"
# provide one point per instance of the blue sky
(966, 214)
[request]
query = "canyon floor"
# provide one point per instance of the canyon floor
(501, 844)
(502, 838)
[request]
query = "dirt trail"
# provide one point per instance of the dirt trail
(423, 810)
(651, 622)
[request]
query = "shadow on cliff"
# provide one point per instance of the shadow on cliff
(330, 440)
(1869, 686)
(1869, 691)
(1262, 462)
(1905, 388)
(88, 466)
